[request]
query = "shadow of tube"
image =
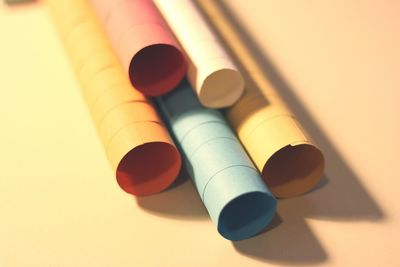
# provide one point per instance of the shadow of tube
(343, 197)
(292, 242)
(180, 201)
(340, 196)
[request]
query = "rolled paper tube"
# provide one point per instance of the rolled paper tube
(137, 143)
(144, 43)
(229, 185)
(212, 73)
(291, 164)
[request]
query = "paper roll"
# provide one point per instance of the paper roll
(213, 75)
(229, 185)
(144, 44)
(291, 164)
(137, 144)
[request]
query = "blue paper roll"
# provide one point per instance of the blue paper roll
(231, 188)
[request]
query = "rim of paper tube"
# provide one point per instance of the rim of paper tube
(157, 69)
(246, 215)
(149, 168)
(294, 170)
(221, 89)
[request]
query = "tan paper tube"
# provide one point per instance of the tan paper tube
(137, 144)
(212, 73)
(291, 164)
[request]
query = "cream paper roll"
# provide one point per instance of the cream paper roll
(212, 74)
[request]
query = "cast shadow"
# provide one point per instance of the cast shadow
(291, 242)
(340, 195)
(344, 197)
(180, 201)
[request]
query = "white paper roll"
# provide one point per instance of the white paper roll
(212, 74)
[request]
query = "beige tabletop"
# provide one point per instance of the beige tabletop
(336, 63)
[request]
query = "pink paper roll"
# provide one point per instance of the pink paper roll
(145, 45)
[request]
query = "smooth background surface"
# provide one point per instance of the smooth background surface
(335, 62)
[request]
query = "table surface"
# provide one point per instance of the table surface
(336, 63)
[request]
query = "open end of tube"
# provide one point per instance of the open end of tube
(221, 89)
(246, 215)
(293, 170)
(149, 168)
(157, 69)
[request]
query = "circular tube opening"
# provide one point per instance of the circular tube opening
(149, 168)
(293, 170)
(221, 89)
(157, 69)
(246, 215)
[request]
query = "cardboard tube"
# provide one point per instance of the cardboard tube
(291, 164)
(125, 114)
(137, 144)
(230, 186)
(212, 74)
(144, 44)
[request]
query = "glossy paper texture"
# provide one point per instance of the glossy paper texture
(137, 144)
(213, 75)
(290, 162)
(145, 45)
(231, 188)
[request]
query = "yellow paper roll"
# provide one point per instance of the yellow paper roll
(137, 144)
(291, 164)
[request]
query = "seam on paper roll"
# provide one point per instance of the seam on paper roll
(215, 174)
(117, 104)
(95, 78)
(210, 140)
(98, 97)
(104, 67)
(267, 119)
(200, 124)
(127, 125)
(85, 68)
(75, 27)
(78, 17)
(105, 114)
